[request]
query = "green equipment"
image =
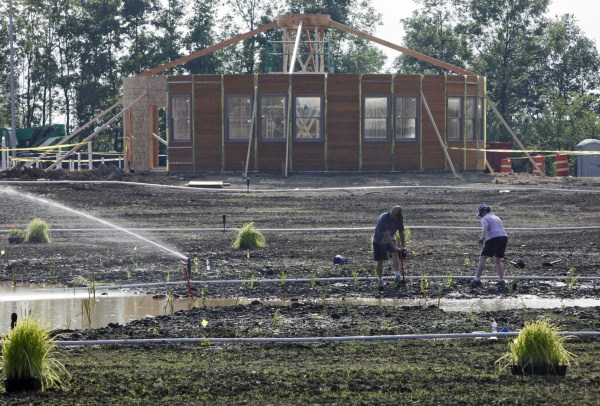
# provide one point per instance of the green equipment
(35, 137)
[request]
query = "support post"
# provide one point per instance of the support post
(437, 132)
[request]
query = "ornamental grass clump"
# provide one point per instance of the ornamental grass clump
(538, 347)
(38, 231)
(249, 237)
(27, 353)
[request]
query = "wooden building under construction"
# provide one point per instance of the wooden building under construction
(303, 118)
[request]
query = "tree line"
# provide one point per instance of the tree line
(71, 55)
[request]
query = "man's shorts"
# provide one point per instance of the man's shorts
(382, 252)
(495, 247)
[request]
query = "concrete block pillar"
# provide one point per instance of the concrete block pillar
(140, 119)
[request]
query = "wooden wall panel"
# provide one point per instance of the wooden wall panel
(308, 155)
(341, 148)
(407, 154)
(271, 154)
(343, 119)
(235, 152)
(377, 155)
(180, 153)
(207, 123)
(433, 154)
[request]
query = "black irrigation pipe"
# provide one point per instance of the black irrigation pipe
(267, 340)
(335, 279)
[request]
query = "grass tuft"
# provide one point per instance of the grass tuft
(38, 231)
(27, 353)
(538, 345)
(249, 237)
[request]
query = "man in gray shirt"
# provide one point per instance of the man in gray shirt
(384, 243)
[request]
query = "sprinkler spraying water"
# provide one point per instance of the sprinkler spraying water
(89, 216)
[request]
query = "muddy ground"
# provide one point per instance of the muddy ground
(188, 222)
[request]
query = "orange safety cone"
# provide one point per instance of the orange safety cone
(561, 165)
(538, 167)
(505, 165)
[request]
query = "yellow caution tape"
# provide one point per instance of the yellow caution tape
(520, 151)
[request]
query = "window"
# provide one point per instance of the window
(455, 116)
(308, 118)
(406, 117)
(239, 117)
(181, 128)
(479, 128)
(376, 118)
(272, 117)
(471, 119)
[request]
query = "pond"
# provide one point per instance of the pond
(68, 308)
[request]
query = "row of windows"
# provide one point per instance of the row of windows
(462, 118)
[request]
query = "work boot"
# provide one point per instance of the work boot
(475, 283)
(398, 280)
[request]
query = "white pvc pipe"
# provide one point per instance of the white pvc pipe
(304, 190)
(320, 229)
(263, 340)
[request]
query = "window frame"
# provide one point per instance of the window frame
(261, 124)
(387, 137)
(173, 120)
(460, 118)
(398, 119)
(228, 117)
(319, 118)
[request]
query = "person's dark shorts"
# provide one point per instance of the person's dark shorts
(495, 247)
(382, 252)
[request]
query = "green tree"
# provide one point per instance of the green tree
(201, 34)
(434, 30)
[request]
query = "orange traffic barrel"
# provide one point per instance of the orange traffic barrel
(561, 165)
(505, 165)
(538, 167)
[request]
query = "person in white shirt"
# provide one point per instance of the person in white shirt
(495, 240)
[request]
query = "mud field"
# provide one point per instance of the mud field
(307, 220)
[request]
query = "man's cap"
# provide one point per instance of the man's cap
(483, 208)
(397, 210)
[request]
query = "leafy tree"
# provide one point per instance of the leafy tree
(434, 30)
(201, 32)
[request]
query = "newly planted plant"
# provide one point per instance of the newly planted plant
(15, 235)
(283, 277)
(538, 349)
(249, 237)
(38, 231)
(573, 279)
(27, 353)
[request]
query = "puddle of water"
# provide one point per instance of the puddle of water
(64, 308)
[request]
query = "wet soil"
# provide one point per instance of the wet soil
(307, 220)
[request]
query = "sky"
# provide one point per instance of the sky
(586, 12)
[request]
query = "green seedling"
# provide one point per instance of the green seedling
(135, 260)
(203, 296)
(275, 319)
(153, 330)
(467, 262)
(169, 308)
(573, 280)
(252, 279)
(283, 277)
(424, 285)
(449, 281)
(355, 275)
